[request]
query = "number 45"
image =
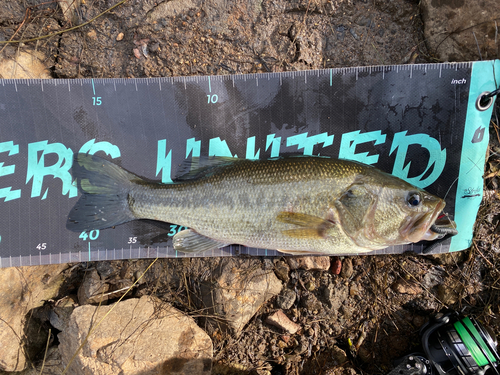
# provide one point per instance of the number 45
(41, 246)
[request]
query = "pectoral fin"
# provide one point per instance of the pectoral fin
(189, 241)
(307, 233)
(310, 226)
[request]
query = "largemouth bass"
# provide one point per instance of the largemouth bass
(293, 204)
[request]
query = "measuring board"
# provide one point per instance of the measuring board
(418, 122)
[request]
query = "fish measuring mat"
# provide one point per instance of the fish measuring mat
(418, 122)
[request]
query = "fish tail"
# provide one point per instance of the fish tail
(105, 188)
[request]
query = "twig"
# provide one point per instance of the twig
(19, 28)
(495, 126)
(477, 44)
(63, 31)
(45, 354)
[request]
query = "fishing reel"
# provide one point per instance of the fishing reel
(452, 346)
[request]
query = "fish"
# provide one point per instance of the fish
(296, 204)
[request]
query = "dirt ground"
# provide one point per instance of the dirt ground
(377, 303)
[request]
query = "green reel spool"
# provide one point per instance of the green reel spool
(460, 346)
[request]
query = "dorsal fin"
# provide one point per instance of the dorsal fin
(197, 167)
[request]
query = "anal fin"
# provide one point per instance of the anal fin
(298, 252)
(189, 241)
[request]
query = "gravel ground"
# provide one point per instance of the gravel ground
(375, 303)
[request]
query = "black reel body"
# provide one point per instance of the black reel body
(453, 346)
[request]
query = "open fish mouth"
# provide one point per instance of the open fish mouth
(430, 226)
(441, 225)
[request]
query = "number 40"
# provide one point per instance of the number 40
(91, 236)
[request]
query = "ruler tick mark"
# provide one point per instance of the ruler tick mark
(93, 88)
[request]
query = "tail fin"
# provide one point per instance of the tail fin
(105, 187)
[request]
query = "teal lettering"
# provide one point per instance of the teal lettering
(217, 147)
(194, 146)
(37, 169)
(437, 157)
(251, 154)
(7, 192)
(92, 147)
(164, 162)
(351, 140)
(308, 143)
(275, 143)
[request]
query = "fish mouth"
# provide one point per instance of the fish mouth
(443, 226)
(430, 226)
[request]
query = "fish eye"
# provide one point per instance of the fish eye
(413, 199)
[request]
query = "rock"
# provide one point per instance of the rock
(51, 366)
(238, 289)
(405, 287)
(418, 321)
(340, 371)
(336, 266)
(309, 263)
(138, 336)
(92, 290)
(347, 268)
(311, 303)
(23, 289)
(449, 259)
(353, 33)
(354, 290)
(338, 355)
(451, 28)
(433, 277)
(281, 270)
(59, 315)
(69, 10)
(171, 9)
(335, 295)
(341, 32)
(365, 355)
(448, 293)
(286, 299)
(280, 320)
(25, 64)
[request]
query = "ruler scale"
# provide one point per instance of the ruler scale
(415, 121)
